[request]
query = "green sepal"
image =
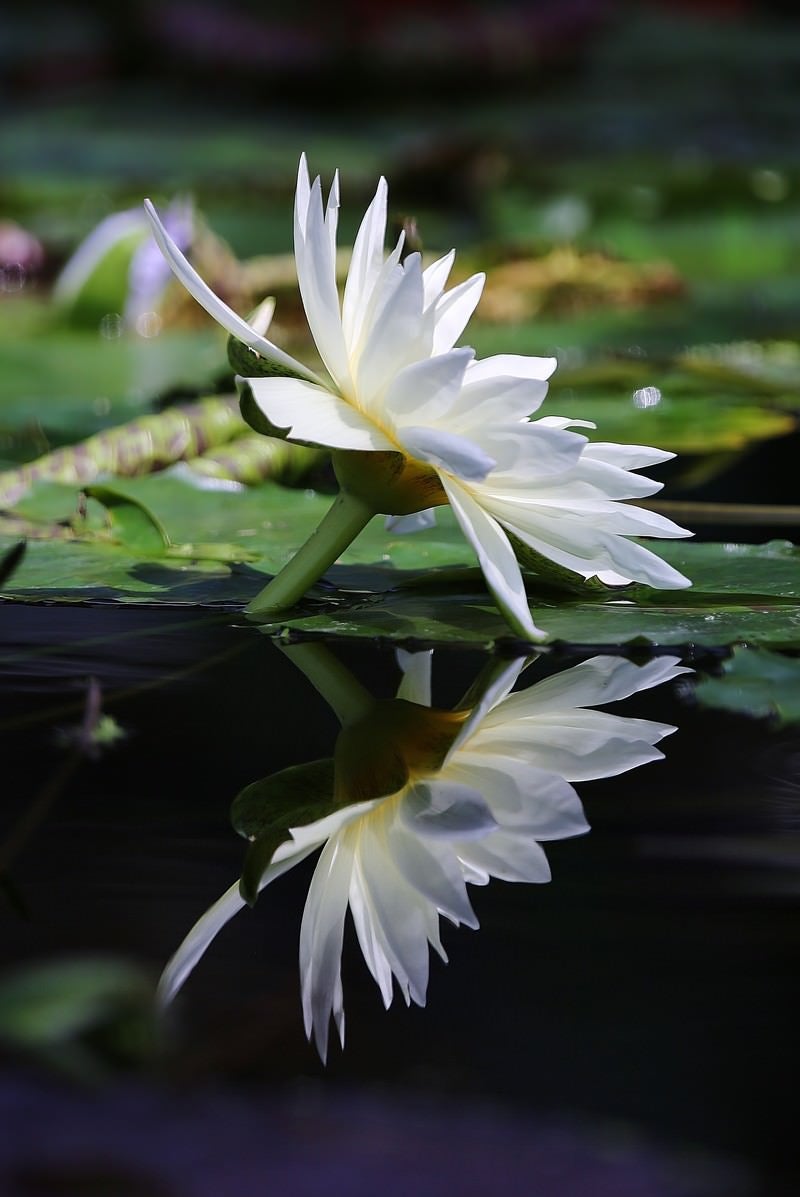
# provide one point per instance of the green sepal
(250, 364)
(254, 416)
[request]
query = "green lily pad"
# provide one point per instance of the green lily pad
(60, 386)
(678, 423)
(403, 588)
(755, 682)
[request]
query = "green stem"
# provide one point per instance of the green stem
(342, 524)
(343, 693)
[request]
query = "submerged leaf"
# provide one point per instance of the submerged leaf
(755, 682)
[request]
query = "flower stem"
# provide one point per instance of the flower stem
(339, 528)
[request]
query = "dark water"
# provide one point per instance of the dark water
(627, 1028)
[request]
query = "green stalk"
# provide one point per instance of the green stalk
(343, 693)
(339, 528)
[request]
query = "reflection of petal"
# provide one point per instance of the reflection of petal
(432, 868)
(211, 923)
(402, 918)
(416, 683)
(592, 683)
(446, 809)
(403, 861)
(321, 941)
(522, 797)
(418, 522)
(507, 856)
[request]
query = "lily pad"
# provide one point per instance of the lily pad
(423, 587)
(66, 385)
(678, 423)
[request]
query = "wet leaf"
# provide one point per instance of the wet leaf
(265, 811)
(679, 423)
(10, 560)
(133, 523)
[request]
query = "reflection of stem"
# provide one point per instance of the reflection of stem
(85, 747)
(338, 530)
(346, 697)
(37, 811)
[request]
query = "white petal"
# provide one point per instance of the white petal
(572, 540)
(302, 191)
(529, 459)
(453, 310)
(316, 275)
(365, 265)
(416, 683)
(215, 307)
(313, 415)
(626, 457)
(514, 365)
(435, 276)
(399, 334)
(425, 391)
(418, 522)
(496, 557)
(447, 451)
(109, 232)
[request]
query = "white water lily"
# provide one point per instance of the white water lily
(400, 861)
(414, 422)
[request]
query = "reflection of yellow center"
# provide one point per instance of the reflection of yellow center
(396, 742)
(391, 483)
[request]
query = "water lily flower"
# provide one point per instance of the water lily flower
(425, 802)
(414, 422)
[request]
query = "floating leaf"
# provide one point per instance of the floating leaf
(681, 423)
(755, 682)
(133, 523)
(772, 367)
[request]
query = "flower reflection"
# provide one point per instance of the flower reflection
(418, 802)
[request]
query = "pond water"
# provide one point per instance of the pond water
(626, 1027)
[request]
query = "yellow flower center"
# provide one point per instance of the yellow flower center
(396, 742)
(391, 483)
